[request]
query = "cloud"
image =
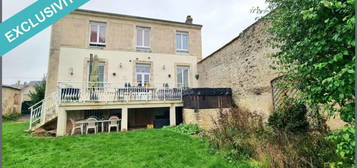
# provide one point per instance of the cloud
(221, 20)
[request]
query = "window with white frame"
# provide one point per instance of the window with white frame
(100, 73)
(182, 76)
(143, 74)
(182, 41)
(97, 34)
(142, 38)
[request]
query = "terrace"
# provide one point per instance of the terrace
(77, 92)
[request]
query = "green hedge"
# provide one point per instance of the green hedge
(291, 118)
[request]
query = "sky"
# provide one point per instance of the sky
(222, 21)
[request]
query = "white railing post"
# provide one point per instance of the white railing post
(181, 91)
(31, 108)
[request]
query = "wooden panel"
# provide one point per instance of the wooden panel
(207, 102)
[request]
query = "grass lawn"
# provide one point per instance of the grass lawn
(151, 148)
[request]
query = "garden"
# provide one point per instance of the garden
(142, 148)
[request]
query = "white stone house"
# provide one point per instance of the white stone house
(143, 66)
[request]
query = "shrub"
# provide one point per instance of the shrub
(231, 132)
(290, 118)
(11, 117)
(298, 150)
(187, 129)
(345, 146)
(240, 135)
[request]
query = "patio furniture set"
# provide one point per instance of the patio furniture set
(92, 123)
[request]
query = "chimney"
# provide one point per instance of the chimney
(189, 19)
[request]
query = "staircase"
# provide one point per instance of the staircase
(43, 111)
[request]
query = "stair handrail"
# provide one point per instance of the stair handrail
(41, 104)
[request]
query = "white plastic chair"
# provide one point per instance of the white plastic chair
(76, 126)
(113, 123)
(92, 125)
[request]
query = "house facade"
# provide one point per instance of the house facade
(142, 66)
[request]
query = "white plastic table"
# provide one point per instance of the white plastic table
(98, 121)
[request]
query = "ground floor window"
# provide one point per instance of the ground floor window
(182, 76)
(143, 74)
(100, 72)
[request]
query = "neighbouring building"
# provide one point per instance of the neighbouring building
(11, 100)
(27, 88)
(142, 66)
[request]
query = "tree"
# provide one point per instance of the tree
(39, 93)
(315, 42)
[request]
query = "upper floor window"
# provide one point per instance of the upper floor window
(142, 38)
(181, 41)
(97, 34)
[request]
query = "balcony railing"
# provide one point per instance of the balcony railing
(111, 92)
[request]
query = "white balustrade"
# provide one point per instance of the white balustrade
(109, 92)
(40, 110)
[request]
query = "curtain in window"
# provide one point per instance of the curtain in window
(142, 74)
(93, 34)
(184, 41)
(178, 41)
(146, 37)
(102, 34)
(143, 37)
(97, 32)
(181, 41)
(139, 37)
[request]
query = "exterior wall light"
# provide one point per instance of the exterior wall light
(197, 76)
(71, 71)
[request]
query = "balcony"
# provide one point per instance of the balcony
(72, 92)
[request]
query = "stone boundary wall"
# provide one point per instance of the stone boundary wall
(204, 118)
(243, 64)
